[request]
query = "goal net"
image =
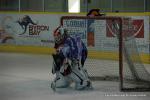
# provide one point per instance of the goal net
(112, 50)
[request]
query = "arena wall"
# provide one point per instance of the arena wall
(38, 39)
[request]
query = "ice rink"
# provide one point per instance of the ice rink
(28, 77)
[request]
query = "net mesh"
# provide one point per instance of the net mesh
(133, 66)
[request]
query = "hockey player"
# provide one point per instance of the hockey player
(69, 59)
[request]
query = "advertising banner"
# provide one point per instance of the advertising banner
(31, 29)
(136, 27)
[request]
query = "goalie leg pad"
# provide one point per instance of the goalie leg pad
(66, 69)
(57, 62)
(80, 78)
(61, 82)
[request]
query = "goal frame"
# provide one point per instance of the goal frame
(120, 51)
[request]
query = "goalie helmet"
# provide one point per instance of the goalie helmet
(60, 34)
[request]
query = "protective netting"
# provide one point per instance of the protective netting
(137, 73)
(113, 52)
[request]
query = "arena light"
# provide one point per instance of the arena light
(74, 6)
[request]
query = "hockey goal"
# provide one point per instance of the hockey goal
(113, 52)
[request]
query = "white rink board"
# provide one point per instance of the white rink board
(41, 34)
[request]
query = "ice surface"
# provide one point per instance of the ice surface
(28, 77)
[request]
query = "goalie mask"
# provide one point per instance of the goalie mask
(59, 35)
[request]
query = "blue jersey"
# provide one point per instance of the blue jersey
(74, 48)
